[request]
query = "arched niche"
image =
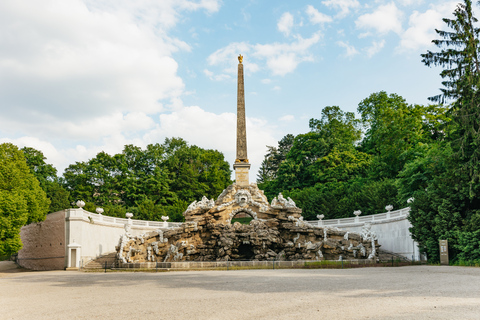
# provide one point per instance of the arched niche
(242, 217)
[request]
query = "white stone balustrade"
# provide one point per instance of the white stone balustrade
(373, 219)
(114, 221)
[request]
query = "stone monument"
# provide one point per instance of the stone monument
(276, 232)
(241, 165)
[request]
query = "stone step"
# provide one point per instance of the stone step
(99, 263)
(384, 255)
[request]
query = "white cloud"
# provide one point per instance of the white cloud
(317, 17)
(421, 30)
(343, 5)
(410, 2)
(266, 81)
(209, 5)
(88, 73)
(215, 131)
(49, 151)
(218, 77)
(195, 125)
(208, 73)
(384, 19)
(283, 58)
(227, 57)
(280, 58)
(350, 50)
(375, 48)
(287, 118)
(285, 23)
(63, 61)
(277, 88)
(364, 35)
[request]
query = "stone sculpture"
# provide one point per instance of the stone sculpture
(276, 232)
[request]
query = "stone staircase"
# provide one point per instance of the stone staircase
(99, 263)
(384, 255)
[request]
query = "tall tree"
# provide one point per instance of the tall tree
(275, 156)
(162, 179)
(46, 174)
(336, 131)
(195, 172)
(449, 206)
(460, 60)
(22, 200)
(393, 128)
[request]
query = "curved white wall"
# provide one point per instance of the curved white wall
(93, 235)
(392, 229)
(98, 235)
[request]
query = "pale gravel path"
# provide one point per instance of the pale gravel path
(417, 292)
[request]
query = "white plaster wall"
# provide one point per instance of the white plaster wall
(393, 236)
(98, 238)
(95, 238)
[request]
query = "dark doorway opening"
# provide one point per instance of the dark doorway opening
(245, 252)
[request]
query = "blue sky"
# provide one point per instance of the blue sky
(79, 77)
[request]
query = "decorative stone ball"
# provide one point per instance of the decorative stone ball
(99, 210)
(165, 218)
(129, 215)
(320, 216)
(80, 204)
(357, 212)
(389, 207)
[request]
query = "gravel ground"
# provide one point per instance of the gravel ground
(414, 292)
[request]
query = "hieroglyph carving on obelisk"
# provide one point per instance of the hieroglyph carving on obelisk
(241, 165)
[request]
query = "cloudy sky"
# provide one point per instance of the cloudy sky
(81, 76)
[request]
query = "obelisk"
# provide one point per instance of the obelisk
(241, 165)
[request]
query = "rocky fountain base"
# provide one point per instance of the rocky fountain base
(276, 232)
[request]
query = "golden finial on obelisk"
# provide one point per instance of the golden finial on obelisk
(240, 58)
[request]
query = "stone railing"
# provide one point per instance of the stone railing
(344, 222)
(106, 220)
(373, 219)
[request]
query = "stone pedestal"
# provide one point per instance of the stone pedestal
(241, 173)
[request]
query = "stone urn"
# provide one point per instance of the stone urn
(320, 217)
(389, 208)
(99, 211)
(165, 223)
(357, 213)
(80, 204)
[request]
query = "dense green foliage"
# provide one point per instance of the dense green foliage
(46, 175)
(22, 200)
(160, 180)
(450, 203)
(337, 167)
(393, 152)
(428, 153)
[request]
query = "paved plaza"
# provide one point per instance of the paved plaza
(413, 292)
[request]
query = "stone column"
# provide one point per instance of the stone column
(241, 166)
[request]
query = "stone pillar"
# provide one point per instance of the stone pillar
(241, 166)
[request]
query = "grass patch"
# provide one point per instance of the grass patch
(4, 258)
(245, 220)
(467, 263)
